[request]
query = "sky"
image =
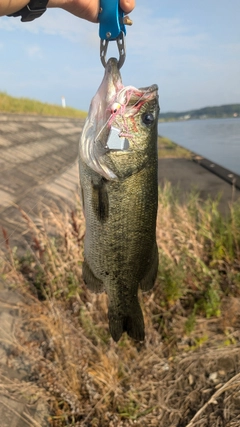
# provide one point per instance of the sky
(191, 49)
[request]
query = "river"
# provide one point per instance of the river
(217, 140)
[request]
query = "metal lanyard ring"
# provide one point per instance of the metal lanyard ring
(121, 49)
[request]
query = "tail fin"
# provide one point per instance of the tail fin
(131, 322)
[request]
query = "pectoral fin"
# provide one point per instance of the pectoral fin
(100, 198)
(148, 280)
(94, 284)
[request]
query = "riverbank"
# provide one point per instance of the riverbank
(58, 364)
(190, 172)
(13, 105)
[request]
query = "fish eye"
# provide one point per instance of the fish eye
(147, 118)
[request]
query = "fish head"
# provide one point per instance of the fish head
(111, 84)
(128, 114)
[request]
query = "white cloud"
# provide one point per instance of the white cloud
(56, 22)
(34, 51)
(151, 33)
(148, 34)
(231, 48)
(9, 24)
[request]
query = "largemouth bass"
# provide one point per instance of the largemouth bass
(119, 189)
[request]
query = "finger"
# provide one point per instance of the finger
(127, 5)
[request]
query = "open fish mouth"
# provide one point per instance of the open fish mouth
(119, 98)
(112, 101)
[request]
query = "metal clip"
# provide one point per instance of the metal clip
(121, 49)
(111, 20)
(112, 27)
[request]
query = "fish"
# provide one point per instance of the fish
(118, 167)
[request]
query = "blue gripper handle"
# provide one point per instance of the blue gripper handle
(110, 20)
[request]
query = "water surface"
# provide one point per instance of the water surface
(215, 139)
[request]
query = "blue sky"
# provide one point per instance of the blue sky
(190, 49)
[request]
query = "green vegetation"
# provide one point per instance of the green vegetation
(191, 317)
(168, 149)
(223, 111)
(9, 104)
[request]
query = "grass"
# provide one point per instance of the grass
(10, 104)
(185, 374)
(168, 149)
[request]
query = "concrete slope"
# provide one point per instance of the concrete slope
(188, 176)
(35, 151)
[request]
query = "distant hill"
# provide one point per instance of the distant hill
(231, 110)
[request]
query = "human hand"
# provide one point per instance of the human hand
(87, 9)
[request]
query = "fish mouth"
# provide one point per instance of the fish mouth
(116, 92)
(149, 89)
(112, 78)
(111, 100)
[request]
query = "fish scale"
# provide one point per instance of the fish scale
(120, 251)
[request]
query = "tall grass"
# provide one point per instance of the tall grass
(90, 380)
(10, 104)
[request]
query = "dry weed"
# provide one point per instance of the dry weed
(185, 374)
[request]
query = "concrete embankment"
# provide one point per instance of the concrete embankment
(36, 153)
(223, 173)
(190, 175)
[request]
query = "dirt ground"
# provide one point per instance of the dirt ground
(59, 366)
